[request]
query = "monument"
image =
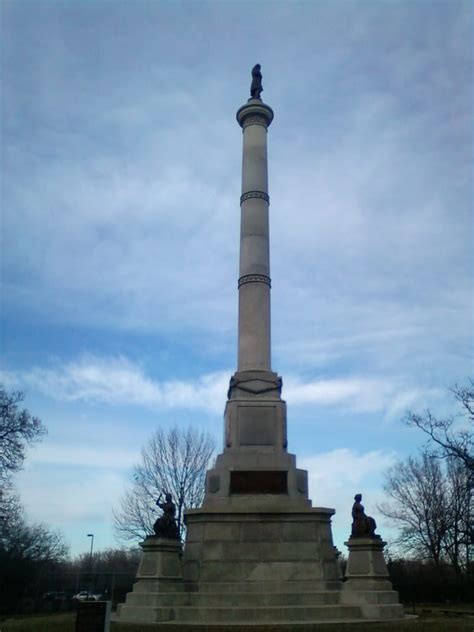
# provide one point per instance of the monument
(257, 550)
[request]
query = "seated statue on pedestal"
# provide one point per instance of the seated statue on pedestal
(363, 526)
(165, 526)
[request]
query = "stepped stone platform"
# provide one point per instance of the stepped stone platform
(281, 593)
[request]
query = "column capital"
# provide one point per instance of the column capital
(254, 112)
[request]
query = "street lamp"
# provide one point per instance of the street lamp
(3, 514)
(91, 536)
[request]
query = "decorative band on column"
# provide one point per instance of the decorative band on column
(255, 194)
(255, 120)
(255, 278)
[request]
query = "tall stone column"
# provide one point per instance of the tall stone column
(254, 336)
(255, 467)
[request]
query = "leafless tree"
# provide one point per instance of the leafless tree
(460, 515)
(418, 493)
(431, 503)
(17, 429)
(175, 462)
(454, 435)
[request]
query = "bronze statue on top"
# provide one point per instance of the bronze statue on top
(256, 87)
(363, 526)
(165, 526)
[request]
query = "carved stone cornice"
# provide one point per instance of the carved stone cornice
(255, 278)
(255, 194)
(255, 112)
(254, 386)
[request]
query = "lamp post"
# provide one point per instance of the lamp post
(91, 536)
(3, 514)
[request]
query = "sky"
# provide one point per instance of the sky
(120, 188)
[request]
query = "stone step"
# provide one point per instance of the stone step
(370, 598)
(287, 586)
(261, 614)
(383, 611)
(267, 614)
(245, 599)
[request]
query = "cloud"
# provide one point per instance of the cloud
(339, 469)
(88, 494)
(108, 456)
(359, 394)
(118, 381)
(335, 477)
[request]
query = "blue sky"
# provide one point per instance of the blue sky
(120, 220)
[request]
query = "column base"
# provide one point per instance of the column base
(367, 580)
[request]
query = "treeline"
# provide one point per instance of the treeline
(29, 586)
(424, 582)
(27, 550)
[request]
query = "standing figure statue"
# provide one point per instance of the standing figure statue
(362, 526)
(165, 526)
(256, 86)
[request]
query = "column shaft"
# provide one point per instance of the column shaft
(254, 352)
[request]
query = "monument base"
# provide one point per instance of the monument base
(367, 580)
(243, 547)
(159, 572)
(274, 567)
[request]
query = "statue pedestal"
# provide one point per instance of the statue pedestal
(159, 574)
(366, 568)
(367, 580)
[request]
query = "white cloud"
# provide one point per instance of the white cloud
(357, 394)
(9, 379)
(118, 381)
(74, 495)
(102, 456)
(335, 477)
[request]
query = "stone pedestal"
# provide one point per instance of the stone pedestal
(367, 580)
(271, 551)
(159, 574)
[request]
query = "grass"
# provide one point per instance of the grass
(40, 623)
(432, 620)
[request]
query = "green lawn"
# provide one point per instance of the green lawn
(38, 623)
(434, 621)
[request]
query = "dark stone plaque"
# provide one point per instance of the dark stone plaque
(260, 482)
(93, 616)
(257, 425)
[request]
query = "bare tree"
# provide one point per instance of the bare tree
(460, 515)
(176, 462)
(418, 492)
(432, 506)
(454, 435)
(17, 429)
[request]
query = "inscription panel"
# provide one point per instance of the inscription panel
(259, 482)
(257, 425)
